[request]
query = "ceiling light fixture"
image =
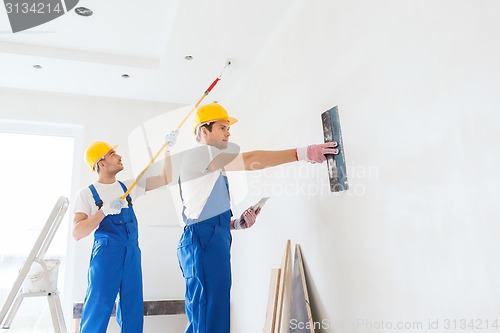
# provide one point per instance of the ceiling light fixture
(83, 11)
(37, 66)
(188, 57)
(125, 76)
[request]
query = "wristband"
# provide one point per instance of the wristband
(237, 224)
(301, 153)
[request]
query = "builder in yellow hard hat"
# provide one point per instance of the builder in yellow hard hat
(115, 265)
(204, 247)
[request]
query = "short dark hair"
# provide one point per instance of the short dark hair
(208, 126)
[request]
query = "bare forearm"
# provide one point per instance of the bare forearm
(82, 227)
(164, 178)
(261, 159)
(167, 168)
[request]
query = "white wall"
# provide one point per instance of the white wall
(414, 239)
(110, 120)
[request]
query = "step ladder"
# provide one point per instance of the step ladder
(38, 276)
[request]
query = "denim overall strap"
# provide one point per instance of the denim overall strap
(120, 227)
(217, 203)
(129, 199)
(97, 199)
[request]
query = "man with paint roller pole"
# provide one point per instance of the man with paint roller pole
(204, 247)
(115, 263)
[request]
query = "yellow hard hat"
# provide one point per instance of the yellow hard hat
(211, 112)
(96, 151)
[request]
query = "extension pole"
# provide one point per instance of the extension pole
(205, 94)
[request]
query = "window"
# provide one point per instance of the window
(36, 161)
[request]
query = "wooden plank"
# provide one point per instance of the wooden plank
(151, 308)
(301, 320)
(272, 301)
(282, 283)
(336, 163)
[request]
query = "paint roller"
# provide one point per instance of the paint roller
(153, 159)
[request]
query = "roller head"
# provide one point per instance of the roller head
(228, 62)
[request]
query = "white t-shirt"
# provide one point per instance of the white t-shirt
(85, 202)
(196, 181)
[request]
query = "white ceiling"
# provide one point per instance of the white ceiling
(147, 40)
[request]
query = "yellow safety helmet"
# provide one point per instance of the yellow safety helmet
(96, 151)
(211, 112)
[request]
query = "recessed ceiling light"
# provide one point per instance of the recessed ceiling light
(188, 57)
(83, 11)
(37, 66)
(125, 76)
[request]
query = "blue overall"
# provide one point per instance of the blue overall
(205, 262)
(115, 266)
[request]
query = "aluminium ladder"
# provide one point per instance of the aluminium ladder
(44, 283)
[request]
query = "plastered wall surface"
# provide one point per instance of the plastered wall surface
(414, 242)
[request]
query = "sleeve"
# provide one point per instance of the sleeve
(197, 160)
(82, 204)
(200, 158)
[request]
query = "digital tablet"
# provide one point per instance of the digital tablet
(260, 203)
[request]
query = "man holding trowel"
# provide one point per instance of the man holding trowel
(204, 247)
(115, 263)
